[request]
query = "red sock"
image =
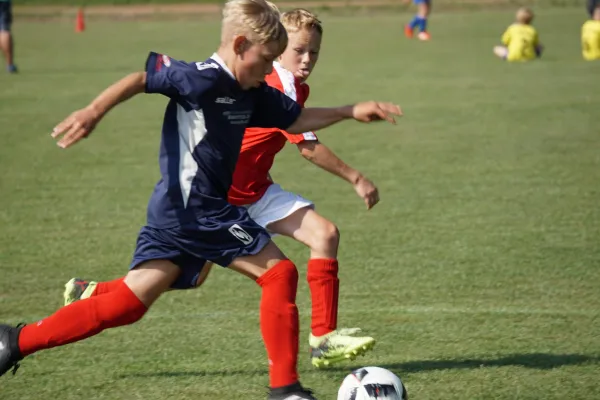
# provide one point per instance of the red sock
(324, 285)
(107, 287)
(279, 322)
(82, 319)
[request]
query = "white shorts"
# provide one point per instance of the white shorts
(275, 205)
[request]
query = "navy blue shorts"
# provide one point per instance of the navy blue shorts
(5, 16)
(219, 239)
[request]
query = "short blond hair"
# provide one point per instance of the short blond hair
(524, 15)
(258, 20)
(299, 18)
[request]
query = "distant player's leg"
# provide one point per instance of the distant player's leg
(6, 39)
(424, 9)
(279, 325)
(409, 29)
(501, 52)
(328, 344)
(82, 319)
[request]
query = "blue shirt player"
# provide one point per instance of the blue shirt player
(189, 220)
(419, 21)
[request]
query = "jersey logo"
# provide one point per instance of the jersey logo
(309, 136)
(240, 234)
(238, 117)
(166, 61)
(202, 66)
(224, 100)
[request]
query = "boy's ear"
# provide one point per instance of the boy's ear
(241, 44)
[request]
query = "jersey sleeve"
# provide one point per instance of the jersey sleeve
(295, 139)
(302, 92)
(506, 37)
(273, 109)
(180, 81)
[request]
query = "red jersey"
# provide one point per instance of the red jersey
(261, 145)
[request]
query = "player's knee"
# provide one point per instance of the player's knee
(118, 308)
(326, 236)
(288, 272)
(283, 275)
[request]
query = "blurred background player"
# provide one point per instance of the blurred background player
(286, 213)
(6, 39)
(590, 36)
(520, 41)
(419, 21)
(591, 6)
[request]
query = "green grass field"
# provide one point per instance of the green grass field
(479, 272)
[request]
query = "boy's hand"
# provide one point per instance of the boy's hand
(367, 191)
(76, 126)
(374, 111)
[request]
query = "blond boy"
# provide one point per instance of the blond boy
(520, 41)
(286, 213)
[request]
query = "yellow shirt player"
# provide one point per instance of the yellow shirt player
(520, 41)
(590, 37)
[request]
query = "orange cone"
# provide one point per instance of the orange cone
(80, 21)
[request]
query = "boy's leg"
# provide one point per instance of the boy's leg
(322, 237)
(328, 344)
(419, 20)
(79, 289)
(86, 318)
(501, 52)
(278, 278)
(6, 39)
(422, 15)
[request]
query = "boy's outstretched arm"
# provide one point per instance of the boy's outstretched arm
(81, 123)
(312, 119)
(320, 155)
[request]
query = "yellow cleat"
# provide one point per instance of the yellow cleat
(338, 346)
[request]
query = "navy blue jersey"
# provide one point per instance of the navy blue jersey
(202, 132)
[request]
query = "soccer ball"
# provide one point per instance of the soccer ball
(372, 383)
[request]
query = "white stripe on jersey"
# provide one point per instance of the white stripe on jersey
(192, 129)
(288, 81)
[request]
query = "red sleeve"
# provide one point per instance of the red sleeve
(302, 92)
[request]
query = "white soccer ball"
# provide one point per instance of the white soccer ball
(372, 383)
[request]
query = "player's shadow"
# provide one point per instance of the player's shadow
(533, 360)
(197, 374)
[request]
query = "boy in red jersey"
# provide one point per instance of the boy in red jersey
(289, 214)
(286, 213)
